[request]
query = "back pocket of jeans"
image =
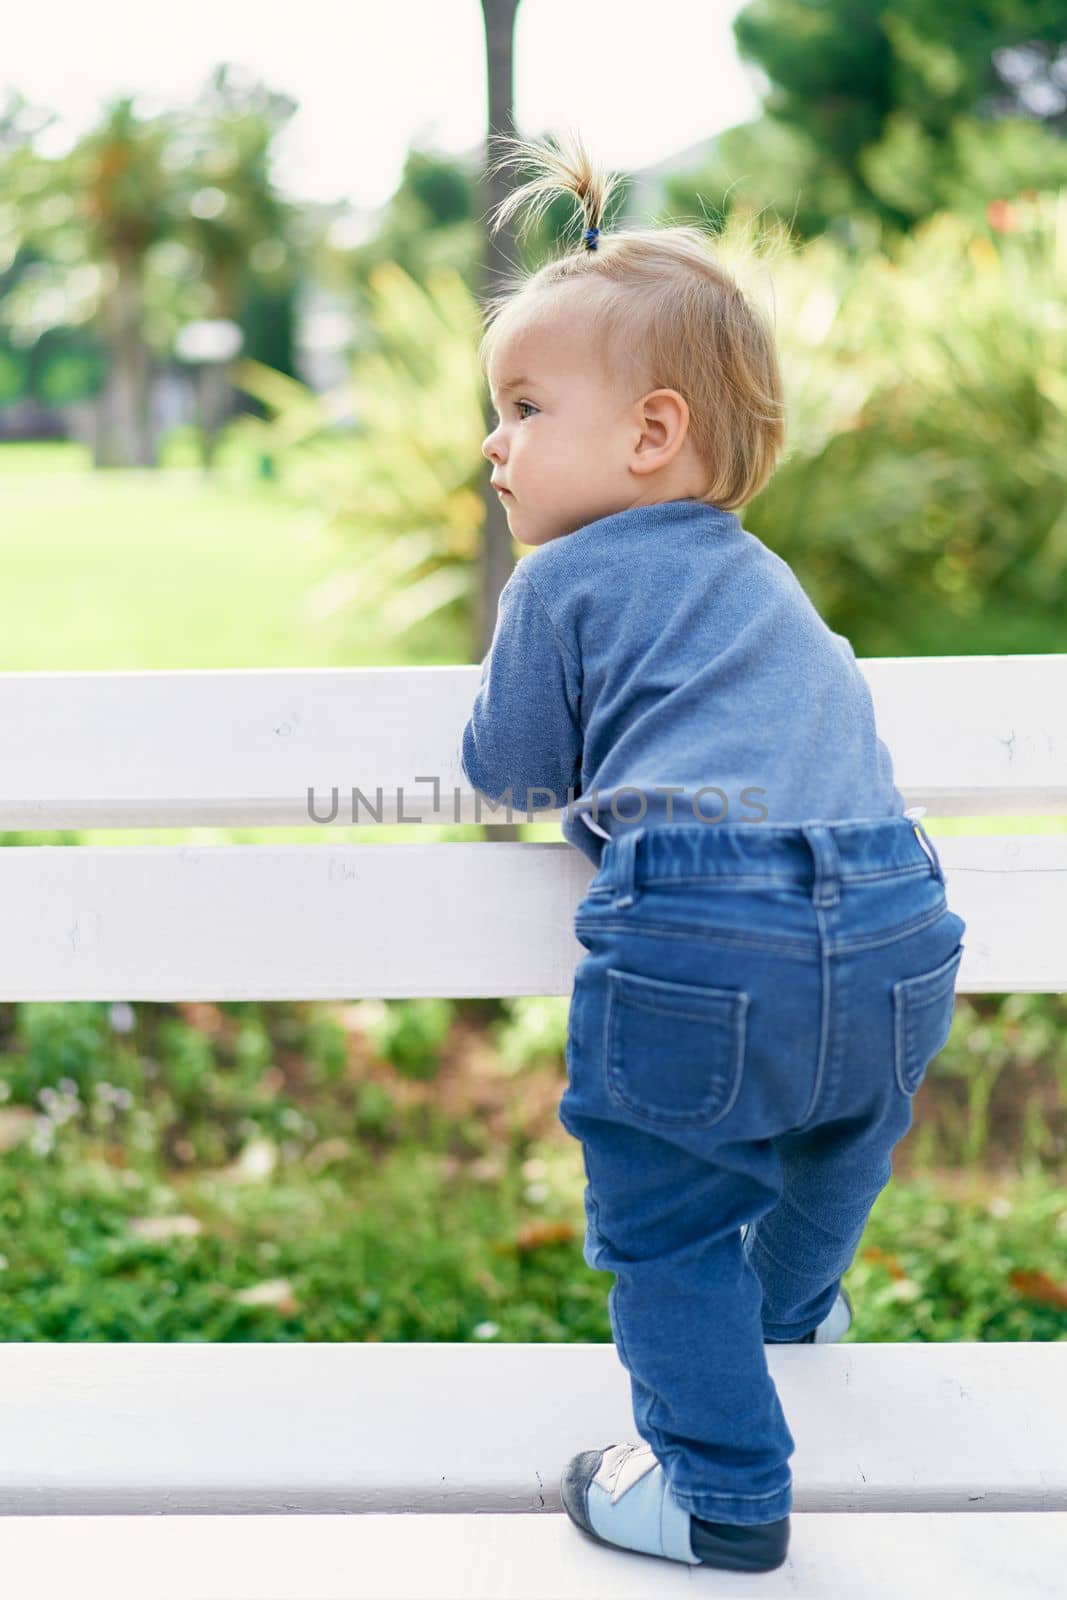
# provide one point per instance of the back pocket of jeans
(923, 1008)
(675, 1052)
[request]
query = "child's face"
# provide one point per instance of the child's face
(564, 439)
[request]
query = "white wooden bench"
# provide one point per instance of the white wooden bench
(96, 1440)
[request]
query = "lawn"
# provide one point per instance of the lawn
(136, 570)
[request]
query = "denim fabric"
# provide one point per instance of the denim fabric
(756, 1010)
(663, 665)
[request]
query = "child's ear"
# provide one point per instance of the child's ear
(664, 424)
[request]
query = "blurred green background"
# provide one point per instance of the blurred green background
(241, 495)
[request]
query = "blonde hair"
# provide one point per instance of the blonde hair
(663, 313)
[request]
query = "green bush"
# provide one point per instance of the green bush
(358, 1250)
(934, 1267)
(411, 1033)
(534, 1031)
(921, 498)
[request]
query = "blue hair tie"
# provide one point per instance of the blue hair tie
(590, 238)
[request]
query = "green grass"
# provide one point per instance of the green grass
(43, 458)
(411, 1244)
(137, 570)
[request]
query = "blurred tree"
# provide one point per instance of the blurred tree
(146, 224)
(891, 109)
(428, 224)
(227, 212)
(435, 220)
(41, 358)
(119, 184)
(268, 319)
(399, 484)
(226, 206)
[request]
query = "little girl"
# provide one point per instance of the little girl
(771, 957)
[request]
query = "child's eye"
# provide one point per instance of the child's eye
(517, 403)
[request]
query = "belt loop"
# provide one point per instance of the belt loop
(625, 864)
(927, 844)
(826, 890)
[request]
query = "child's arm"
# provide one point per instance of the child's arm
(524, 732)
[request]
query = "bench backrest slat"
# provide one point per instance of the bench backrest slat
(984, 735)
(971, 735)
(302, 921)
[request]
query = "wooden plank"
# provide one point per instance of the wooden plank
(287, 921)
(1011, 891)
(235, 748)
(974, 735)
(981, 735)
(235, 1428)
(440, 1557)
(322, 921)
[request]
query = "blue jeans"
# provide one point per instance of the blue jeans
(758, 1007)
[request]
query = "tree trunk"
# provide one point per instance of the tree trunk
(498, 259)
(213, 391)
(124, 432)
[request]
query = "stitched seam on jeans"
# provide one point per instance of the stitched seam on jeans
(906, 1030)
(729, 1499)
(727, 880)
(759, 1245)
(707, 1112)
(917, 871)
(711, 1015)
(636, 986)
(806, 946)
(704, 1115)
(688, 931)
(905, 1081)
(824, 1016)
(877, 941)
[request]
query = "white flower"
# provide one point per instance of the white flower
(121, 1017)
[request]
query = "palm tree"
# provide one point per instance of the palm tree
(120, 182)
(131, 184)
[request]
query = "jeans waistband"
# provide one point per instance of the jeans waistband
(817, 855)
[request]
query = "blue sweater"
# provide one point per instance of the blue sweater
(666, 648)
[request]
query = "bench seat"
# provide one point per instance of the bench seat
(350, 1427)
